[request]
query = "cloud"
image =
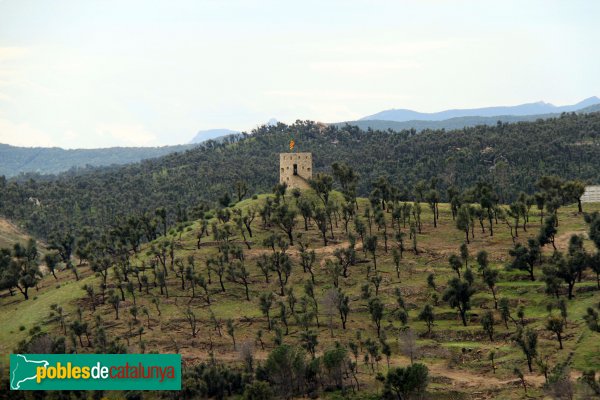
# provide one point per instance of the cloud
(363, 67)
(10, 53)
(23, 134)
(126, 134)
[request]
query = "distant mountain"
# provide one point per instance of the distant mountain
(53, 160)
(455, 123)
(213, 134)
(401, 115)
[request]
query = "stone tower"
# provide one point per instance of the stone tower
(295, 169)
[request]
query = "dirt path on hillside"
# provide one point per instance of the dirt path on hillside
(468, 379)
(294, 251)
(562, 241)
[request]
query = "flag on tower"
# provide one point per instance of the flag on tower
(292, 144)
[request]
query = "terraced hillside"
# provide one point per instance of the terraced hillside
(201, 310)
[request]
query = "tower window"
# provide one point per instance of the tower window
(295, 169)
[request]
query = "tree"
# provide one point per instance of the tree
(527, 340)
(402, 383)
(334, 270)
(266, 302)
(463, 220)
(458, 295)
(572, 191)
(525, 258)
(592, 320)
(79, 329)
(396, 257)
(464, 254)
(114, 300)
(241, 188)
(306, 208)
(239, 274)
(52, 259)
(433, 199)
(258, 390)
(487, 323)
(381, 224)
(346, 256)
(281, 264)
(309, 340)
(343, 305)
(371, 246)
(557, 326)
(455, 263)
(285, 218)
(361, 230)
(231, 332)
(321, 220)
(22, 270)
(307, 259)
(548, 231)
(376, 311)
(490, 278)
(285, 368)
(426, 315)
(347, 178)
(309, 290)
(192, 320)
(283, 316)
(571, 269)
(322, 184)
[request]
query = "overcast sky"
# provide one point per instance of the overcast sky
(107, 73)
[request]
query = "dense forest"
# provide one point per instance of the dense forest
(511, 157)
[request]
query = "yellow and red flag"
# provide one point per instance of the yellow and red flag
(292, 144)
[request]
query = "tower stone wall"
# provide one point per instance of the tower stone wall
(295, 169)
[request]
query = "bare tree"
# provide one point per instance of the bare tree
(330, 302)
(408, 344)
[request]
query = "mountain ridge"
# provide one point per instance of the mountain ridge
(540, 107)
(454, 123)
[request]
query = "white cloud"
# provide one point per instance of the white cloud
(363, 67)
(23, 134)
(126, 135)
(12, 52)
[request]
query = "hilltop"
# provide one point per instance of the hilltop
(511, 156)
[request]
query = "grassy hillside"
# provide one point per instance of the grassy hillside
(457, 356)
(10, 234)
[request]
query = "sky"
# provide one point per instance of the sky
(101, 73)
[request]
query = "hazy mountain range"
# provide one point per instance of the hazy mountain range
(17, 160)
(540, 107)
(455, 123)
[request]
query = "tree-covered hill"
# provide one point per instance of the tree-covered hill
(16, 160)
(510, 156)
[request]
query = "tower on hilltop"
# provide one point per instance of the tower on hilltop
(295, 169)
